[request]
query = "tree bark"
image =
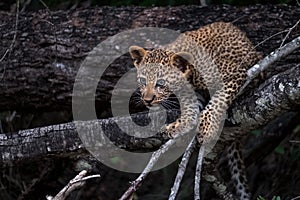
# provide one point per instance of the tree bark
(282, 93)
(39, 73)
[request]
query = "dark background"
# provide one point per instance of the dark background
(68, 4)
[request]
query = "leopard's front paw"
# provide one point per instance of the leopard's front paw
(171, 130)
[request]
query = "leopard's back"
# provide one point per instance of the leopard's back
(227, 44)
(219, 48)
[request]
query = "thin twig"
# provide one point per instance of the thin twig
(55, 29)
(35, 181)
(298, 197)
(12, 44)
(257, 68)
(26, 3)
(44, 4)
(279, 53)
(289, 31)
(269, 60)
(294, 141)
(182, 167)
(74, 184)
(237, 19)
(198, 173)
(154, 158)
(87, 178)
(280, 32)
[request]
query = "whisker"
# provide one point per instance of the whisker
(170, 97)
(136, 99)
(166, 106)
(170, 104)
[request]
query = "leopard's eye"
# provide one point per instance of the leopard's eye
(142, 80)
(160, 83)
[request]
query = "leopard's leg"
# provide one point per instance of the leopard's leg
(214, 113)
(189, 108)
(210, 119)
(238, 171)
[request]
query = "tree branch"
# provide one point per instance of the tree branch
(154, 158)
(74, 184)
(182, 167)
(279, 94)
(197, 193)
(276, 55)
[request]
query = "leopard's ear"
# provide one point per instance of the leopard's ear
(137, 54)
(182, 61)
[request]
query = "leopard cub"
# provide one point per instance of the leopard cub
(214, 57)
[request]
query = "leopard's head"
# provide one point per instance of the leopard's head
(160, 73)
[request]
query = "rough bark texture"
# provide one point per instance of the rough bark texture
(39, 73)
(282, 93)
(277, 95)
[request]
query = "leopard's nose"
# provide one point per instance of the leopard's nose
(149, 100)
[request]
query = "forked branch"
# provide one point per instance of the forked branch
(153, 160)
(74, 184)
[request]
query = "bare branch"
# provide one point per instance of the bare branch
(198, 173)
(298, 197)
(288, 33)
(181, 168)
(74, 184)
(279, 94)
(36, 181)
(154, 158)
(268, 38)
(44, 4)
(25, 4)
(294, 141)
(270, 59)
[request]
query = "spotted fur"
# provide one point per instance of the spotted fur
(237, 170)
(213, 58)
